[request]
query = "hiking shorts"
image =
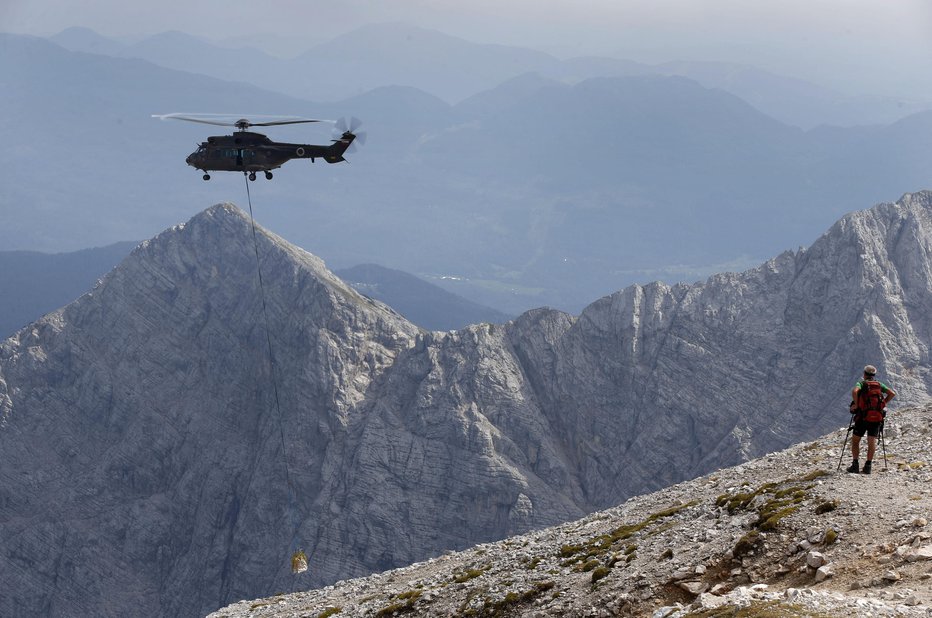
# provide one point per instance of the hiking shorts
(861, 427)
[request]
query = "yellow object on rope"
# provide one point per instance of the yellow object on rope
(298, 562)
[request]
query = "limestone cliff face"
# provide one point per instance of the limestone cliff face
(142, 464)
(657, 383)
(142, 469)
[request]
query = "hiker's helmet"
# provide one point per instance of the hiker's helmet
(870, 370)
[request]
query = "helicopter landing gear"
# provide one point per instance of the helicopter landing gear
(206, 176)
(268, 175)
(252, 175)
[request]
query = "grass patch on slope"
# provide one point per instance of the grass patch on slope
(759, 609)
(604, 543)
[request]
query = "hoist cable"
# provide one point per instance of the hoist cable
(268, 337)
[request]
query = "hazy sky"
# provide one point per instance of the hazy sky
(882, 46)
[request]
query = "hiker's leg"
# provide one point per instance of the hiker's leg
(856, 446)
(871, 447)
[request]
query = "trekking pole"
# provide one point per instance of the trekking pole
(883, 446)
(841, 456)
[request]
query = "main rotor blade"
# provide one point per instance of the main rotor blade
(236, 120)
(192, 119)
(272, 124)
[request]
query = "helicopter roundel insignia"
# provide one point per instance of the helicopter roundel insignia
(299, 151)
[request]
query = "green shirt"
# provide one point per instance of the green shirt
(860, 385)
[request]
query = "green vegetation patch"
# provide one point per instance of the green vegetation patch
(812, 476)
(507, 605)
(599, 573)
(532, 563)
(771, 512)
(661, 528)
(741, 500)
(394, 608)
(604, 543)
(330, 611)
(773, 518)
(759, 609)
(569, 550)
(785, 498)
(826, 507)
(794, 491)
(746, 544)
(587, 566)
(467, 575)
(403, 603)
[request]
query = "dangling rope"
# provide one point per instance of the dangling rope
(298, 558)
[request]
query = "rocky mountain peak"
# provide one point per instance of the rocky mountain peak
(222, 232)
(147, 414)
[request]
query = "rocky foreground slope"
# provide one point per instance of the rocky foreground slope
(155, 462)
(783, 535)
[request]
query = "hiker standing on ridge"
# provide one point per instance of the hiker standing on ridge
(868, 400)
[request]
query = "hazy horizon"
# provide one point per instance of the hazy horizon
(671, 174)
(854, 46)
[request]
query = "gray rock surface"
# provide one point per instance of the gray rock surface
(678, 551)
(142, 463)
(142, 468)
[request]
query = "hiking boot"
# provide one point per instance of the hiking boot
(853, 467)
(867, 467)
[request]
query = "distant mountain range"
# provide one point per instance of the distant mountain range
(425, 304)
(36, 283)
(398, 54)
(536, 192)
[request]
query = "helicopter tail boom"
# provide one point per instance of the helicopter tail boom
(339, 147)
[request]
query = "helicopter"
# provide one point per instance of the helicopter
(249, 152)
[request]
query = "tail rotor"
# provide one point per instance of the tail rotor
(348, 129)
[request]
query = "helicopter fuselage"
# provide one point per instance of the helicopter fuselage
(249, 152)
